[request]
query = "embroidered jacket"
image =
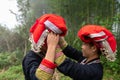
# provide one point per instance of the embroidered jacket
(93, 70)
(35, 67)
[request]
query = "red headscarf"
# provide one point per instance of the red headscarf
(96, 33)
(44, 24)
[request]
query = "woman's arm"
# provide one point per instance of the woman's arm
(78, 71)
(47, 66)
(29, 64)
(70, 51)
(73, 53)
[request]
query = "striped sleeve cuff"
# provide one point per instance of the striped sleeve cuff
(45, 70)
(42, 75)
(59, 58)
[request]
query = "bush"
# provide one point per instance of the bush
(113, 66)
(4, 61)
(109, 75)
(13, 73)
(8, 59)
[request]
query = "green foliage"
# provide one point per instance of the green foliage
(4, 61)
(13, 73)
(111, 69)
(9, 59)
(10, 66)
(109, 75)
(76, 13)
(72, 39)
(113, 66)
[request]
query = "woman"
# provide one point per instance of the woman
(96, 40)
(38, 34)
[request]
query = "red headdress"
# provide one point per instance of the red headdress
(39, 30)
(99, 34)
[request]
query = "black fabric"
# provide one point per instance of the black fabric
(29, 64)
(73, 53)
(77, 71)
(69, 67)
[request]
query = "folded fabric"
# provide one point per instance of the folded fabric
(103, 37)
(43, 25)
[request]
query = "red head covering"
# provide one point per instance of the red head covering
(44, 24)
(96, 33)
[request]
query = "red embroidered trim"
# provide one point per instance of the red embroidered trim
(48, 64)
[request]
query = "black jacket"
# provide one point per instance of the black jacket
(77, 71)
(69, 67)
(30, 63)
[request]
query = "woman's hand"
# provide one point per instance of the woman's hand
(52, 42)
(52, 39)
(62, 42)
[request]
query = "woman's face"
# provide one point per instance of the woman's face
(87, 50)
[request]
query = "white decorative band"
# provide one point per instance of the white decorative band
(42, 38)
(36, 47)
(110, 54)
(101, 39)
(84, 60)
(46, 69)
(52, 27)
(100, 34)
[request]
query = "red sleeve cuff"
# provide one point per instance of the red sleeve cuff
(48, 64)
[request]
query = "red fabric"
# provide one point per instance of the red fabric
(59, 22)
(86, 30)
(38, 22)
(48, 64)
(37, 32)
(38, 27)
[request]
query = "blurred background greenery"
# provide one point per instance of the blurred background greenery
(14, 43)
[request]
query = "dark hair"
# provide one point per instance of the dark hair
(98, 48)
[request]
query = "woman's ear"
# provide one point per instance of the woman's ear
(94, 49)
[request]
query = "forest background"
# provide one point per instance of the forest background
(14, 43)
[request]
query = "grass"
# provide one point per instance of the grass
(15, 73)
(109, 75)
(12, 73)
